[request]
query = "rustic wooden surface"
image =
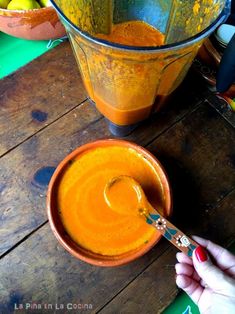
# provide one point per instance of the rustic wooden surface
(44, 115)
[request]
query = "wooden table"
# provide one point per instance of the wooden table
(44, 115)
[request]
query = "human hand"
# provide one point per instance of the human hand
(211, 285)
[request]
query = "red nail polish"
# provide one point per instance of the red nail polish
(201, 254)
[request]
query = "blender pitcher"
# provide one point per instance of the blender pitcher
(129, 82)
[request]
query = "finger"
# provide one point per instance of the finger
(190, 286)
(203, 284)
(214, 277)
(224, 259)
(184, 269)
(183, 258)
(188, 270)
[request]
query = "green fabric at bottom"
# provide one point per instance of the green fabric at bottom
(182, 305)
(16, 52)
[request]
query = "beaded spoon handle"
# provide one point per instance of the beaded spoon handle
(141, 206)
(169, 231)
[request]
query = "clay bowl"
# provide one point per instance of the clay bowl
(56, 224)
(37, 24)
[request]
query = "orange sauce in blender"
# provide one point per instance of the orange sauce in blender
(128, 84)
(134, 33)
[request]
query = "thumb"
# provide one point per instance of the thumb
(214, 277)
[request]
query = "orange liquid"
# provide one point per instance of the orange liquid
(121, 116)
(128, 85)
(134, 33)
(125, 196)
(85, 214)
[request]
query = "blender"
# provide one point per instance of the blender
(129, 82)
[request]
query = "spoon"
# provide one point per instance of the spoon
(124, 195)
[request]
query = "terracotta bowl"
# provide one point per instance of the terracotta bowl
(57, 226)
(37, 24)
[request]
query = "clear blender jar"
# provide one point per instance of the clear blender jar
(128, 83)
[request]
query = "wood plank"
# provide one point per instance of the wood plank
(151, 291)
(38, 94)
(155, 288)
(199, 153)
(222, 107)
(41, 270)
(40, 252)
(24, 211)
(26, 170)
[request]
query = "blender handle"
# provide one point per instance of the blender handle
(226, 72)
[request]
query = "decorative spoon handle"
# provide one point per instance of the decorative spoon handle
(170, 232)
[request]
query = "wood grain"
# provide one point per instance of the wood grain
(199, 153)
(40, 126)
(26, 171)
(37, 94)
(222, 107)
(40, 270)
(198, 156)
(42, 249)
(151, 292)
(23, 198)
(155, 288)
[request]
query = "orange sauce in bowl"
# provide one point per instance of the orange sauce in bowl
(86, 216)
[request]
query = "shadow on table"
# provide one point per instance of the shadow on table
(186, 201)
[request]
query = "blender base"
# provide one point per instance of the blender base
(121, 131)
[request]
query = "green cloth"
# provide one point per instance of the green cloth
(16, 52)
(182, 305)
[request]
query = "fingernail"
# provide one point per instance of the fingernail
(201, 254)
